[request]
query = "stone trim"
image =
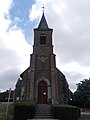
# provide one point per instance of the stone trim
(48, 88)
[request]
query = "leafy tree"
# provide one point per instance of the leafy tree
(82, 94)
(4, 95)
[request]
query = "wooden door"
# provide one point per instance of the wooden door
(42, 92)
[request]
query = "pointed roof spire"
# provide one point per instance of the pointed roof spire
(43, 23)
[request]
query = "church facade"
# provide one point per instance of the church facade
(42, 81)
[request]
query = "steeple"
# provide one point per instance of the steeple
(43, 23)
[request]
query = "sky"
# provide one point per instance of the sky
(70, 21)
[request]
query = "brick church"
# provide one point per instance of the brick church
(42, 81)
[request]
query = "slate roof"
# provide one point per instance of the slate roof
(43, 23)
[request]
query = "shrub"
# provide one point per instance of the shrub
(31, 103)
(24, 110)
(65, 112)
(77, 103)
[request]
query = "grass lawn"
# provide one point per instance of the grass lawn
(3, 108)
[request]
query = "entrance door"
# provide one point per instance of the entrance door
(42, 92)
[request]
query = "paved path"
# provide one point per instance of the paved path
(43, 119)
(85, 117)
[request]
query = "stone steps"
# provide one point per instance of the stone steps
(43, 117)
(43, 111)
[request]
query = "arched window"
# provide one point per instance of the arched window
(42, 39)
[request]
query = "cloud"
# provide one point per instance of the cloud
(5, 6)
(14, 50)
(71, 23)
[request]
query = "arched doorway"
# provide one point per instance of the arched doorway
(42, 92)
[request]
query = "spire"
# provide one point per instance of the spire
(43, 23)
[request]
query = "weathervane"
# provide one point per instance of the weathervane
(43, 8)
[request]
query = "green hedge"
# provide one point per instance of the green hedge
(24, 110)
(65, 112)
(31, 103)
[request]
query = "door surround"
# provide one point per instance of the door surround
(48, 88)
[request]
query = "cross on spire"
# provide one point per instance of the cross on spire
(43, 23)
(43, 8)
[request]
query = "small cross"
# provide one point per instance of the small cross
(43, 8)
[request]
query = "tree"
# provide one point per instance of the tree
(82, 94)
(4, 96)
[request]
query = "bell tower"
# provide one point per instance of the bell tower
(43, 64)
(43, 37)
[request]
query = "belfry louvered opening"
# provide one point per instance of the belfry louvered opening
(42, 39)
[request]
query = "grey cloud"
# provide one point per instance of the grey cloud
(74, 78)
(10, 68)
(8, 78)
(73, 43)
